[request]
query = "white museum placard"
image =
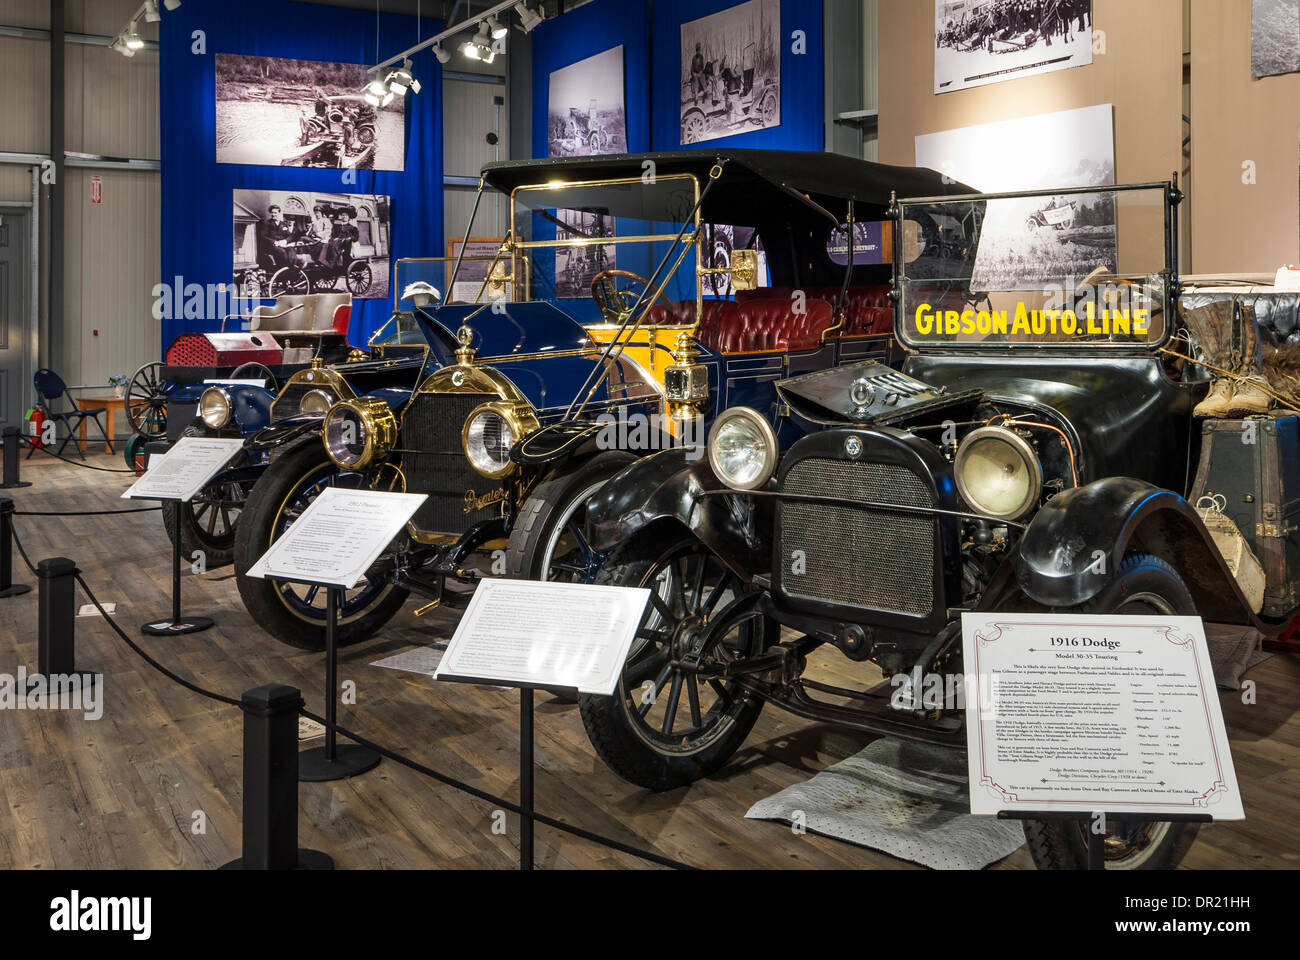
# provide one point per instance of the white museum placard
(545, 634)
(338, 537)
(1111, 714)
(185, 469)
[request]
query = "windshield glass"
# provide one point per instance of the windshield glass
(1042, 269)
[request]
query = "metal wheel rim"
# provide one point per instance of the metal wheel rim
(583, 572)
(708, 715)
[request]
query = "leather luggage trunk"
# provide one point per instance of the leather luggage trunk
(1255, 465)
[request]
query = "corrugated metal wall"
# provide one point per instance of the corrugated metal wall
(468, 116)
(111, 249)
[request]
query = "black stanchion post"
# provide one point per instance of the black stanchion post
(526, 778)
(7, 586)
(332, 762)
(11, 460)
(271, 784)
(56, 628)
(177, 624)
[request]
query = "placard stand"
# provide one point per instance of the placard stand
(526, 716)
(1097, 841)
(177, 625)
(333, 762)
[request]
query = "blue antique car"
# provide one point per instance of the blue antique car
(226, 384)
(585, 343)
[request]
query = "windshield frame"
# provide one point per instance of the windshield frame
(1166, 278)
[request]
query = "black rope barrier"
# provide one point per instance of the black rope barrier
(78, 463)
(82, 513)
(415, 765)
(499, 801)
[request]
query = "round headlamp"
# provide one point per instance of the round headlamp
(215, 407)
(357, 432)
(488, 435)
(742, 448)
(998, 473)
(315, 403)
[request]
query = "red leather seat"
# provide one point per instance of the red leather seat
(869, 310)
(682, 314)
(772, 325)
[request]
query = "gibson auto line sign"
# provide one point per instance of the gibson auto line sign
(1026, 323)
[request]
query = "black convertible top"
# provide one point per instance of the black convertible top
(755, 184)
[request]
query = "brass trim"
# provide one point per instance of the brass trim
(378, 423)
(316, 377)
(519, 417)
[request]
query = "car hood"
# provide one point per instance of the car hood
(505, 329)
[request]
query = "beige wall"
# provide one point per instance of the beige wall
(1140, 73)
(1240, 228)
(111, 250)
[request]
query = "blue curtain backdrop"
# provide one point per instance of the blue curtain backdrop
(569, 39)
(197, 237)
(802, 78)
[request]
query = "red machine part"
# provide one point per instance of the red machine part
(223, 350)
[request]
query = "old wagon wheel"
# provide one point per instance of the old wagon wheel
(769, 110)
(288, 280)
(146, 401)
(359, 277)
(693, 126)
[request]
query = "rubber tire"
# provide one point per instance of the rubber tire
(545, 506)
(1058, 845)
(192, 538)
(608, 728)
(253, 538)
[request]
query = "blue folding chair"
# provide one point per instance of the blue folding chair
(50, 391)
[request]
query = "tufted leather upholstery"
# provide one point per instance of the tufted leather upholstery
(869, 309)
(772, 325)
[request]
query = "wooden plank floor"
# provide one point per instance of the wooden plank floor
(122, 792)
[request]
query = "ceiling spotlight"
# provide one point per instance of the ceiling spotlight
(400, 80)
(150, 8)
(480, 47)
(442, 55)
(120, 45)
(133, 38)
(171, 4)
(529, 18)
(498, 28)
(377, 94)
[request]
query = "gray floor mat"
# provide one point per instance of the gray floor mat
(908, 800)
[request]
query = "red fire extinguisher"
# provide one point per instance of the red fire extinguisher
(35, 427)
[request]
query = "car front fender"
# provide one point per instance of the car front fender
(282, 434)
(677, 485)
(1075, 543)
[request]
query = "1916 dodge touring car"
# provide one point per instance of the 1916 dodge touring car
(528, 406)
(1032, 455)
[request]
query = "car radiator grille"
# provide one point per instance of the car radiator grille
(853, 556)
(435, 462)
(289, 400)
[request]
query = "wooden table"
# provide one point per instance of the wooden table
(108, 405)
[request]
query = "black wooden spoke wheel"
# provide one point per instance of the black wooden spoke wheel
(146, 401)
(668, 724)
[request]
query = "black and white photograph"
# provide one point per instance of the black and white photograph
(977, 42)
(304, 113)
(586, 108)
(1027, 244)
(731, 71)
(1274, 37)
(575, 267)
(296, 242)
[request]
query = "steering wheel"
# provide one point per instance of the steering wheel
(615, 303)
(253, 371)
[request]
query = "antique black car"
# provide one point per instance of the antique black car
(339, 132)
(541, 394)
(1033, 454)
